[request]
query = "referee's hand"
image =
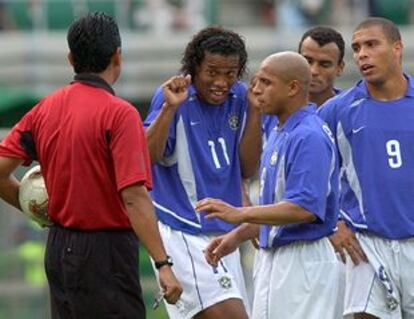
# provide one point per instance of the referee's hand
(171, 287)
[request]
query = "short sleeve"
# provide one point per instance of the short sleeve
(129, 150)
(155, 108)
(20, 142)
(327, 112)
(309, 164)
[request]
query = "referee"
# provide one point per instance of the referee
(94, 158)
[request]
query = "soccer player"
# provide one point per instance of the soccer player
(92, 149)
(297, 275)
(324, 48)
(373, 126)
(203, 138)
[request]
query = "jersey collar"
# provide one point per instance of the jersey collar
(93, 80)
(362, 86)
(297, 117)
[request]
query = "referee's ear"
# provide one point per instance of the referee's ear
(116, 58)
(70, 59)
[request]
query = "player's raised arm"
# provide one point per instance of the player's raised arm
(251, 143)
(175, 91)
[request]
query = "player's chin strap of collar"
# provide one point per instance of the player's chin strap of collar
(382, 274)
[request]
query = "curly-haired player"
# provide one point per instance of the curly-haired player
(203, 139)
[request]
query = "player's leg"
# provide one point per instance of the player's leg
(230, 308)
(366, 296)
(305, 279)
(364, 316)
(233, 307)
(261, 283)
(406, 260)
(342, 285)
(204, 286)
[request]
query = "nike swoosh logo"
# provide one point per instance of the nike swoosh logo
(194, 123)
(356, 130)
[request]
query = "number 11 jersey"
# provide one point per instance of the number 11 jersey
(201, 159)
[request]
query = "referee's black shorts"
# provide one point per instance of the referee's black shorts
(93, 275)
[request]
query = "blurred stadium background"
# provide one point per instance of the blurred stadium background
(33, 63)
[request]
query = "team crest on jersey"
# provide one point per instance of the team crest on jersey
(234, 122)
(225, 282)
(273, 158)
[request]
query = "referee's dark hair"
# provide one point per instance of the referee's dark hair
(216, 40)
(389, 28)
(323, 35)
(92, 40)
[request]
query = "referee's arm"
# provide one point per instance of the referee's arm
(142, 216)
(9, 186)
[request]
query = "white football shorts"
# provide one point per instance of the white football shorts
(203, 285)
(384, 287)
(297, 281)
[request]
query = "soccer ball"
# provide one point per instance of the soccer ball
(33, 197)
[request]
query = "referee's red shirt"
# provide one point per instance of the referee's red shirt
(90, 145)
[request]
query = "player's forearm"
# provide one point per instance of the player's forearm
(251, 143)
(141, 214)
(9, 190)
(282, 213)
(9, 185)
(157, 133)
(247, 231)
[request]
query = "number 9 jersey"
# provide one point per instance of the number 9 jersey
(201, 159)
(375, 141)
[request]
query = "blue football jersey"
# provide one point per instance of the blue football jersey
(269, 123)
(375, 141)
(201, 160)
(299, 166)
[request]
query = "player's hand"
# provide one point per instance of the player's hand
(175, 90)
(221, 246)
(171, 287)
(251, 96)
(216, 208)
(343, 240)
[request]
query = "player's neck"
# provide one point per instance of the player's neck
(321, 98)
(392, 89)
(290, 109)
